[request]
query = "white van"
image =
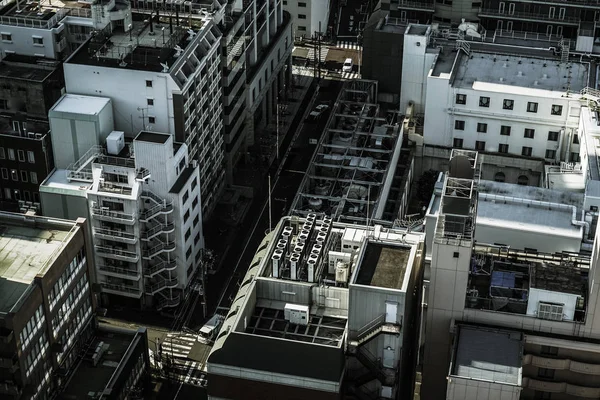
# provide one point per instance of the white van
(211, 327)
(348, 64)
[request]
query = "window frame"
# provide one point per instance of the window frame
(460, 99)
(532, 107)
(508, 104)
(482, 127)
(484, 101)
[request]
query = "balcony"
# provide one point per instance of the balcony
(157, 230)
(415, 5)
(142, 175)
(161, 284)
(149, 254)
(104, 214)
(116, 253)
(562, 364)
(565, 3)
(562, 387)
(117, 272)
(9, 388)
(115, 235)
(163, 265)
(121, 290)
(534, 17)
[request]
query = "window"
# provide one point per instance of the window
(526, 151)
(529, 133)
(461, 99)
(196, 220)
(2, 154)
(546, 373)
(484, 101)
(552, 136)
(301, 16)
(551, 311)
(38, 41)
(541, 395)
(476, 4)
(301, 28)
(33, 176)
(556, 109)
(502, 148)
(4, 173)
(481, 127)
(188, 253)
(532, 107)
(11, 154)
(575, 157)
(150, 102)
(7, 194)
(21, 155)
(188, 233)
(508, 104)
(458, 143)
(197, 238)
(186, 216)
(499, 177)
(549, 351)
(301, 4)
(194, 202)
(550, 153)
(505, 130)
(151, 120)
(7, 37)
(3, 104)
(27, 195)
(459, 125)
(24, 176)
(480, 146)
(31, 157)
(523, 180)
(14, 175)
(148, 83)
(575, 138)
(194, 184)
(186, 196)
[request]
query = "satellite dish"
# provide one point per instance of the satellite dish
(460, 167)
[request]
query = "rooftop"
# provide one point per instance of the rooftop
(57, 182)
(184, 176)
(94, 378)
(25, 252)
(383, 266)
(564, 278)
(491, 355)
(530, 73)
(80, 104)
(153, 137)
(26, 68)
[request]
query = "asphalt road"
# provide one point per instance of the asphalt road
(349, 19)
(284, 188)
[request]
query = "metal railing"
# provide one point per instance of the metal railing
(114, 234)
(163, 265)
(165, 208)
(163, 283)
(111, 251)
(121, 271)
(495, 12)
(113, 215)
(121, 288)
(368, 327)
(35, 22)
(160, 248)
(165, 302)
(157, 230)
(417, 5)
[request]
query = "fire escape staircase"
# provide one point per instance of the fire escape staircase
(373, 329)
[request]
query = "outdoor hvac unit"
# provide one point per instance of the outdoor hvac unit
(294, 260)
(115, 142)
(341, 272)
(296, 314)
(335, 257)
(276, 262)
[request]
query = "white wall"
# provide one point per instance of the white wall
(416, 64)
(128, 92)
(437, 121)
(22, 41)
(469, 389)
(568, 300)
(319, 12)
(315, 11)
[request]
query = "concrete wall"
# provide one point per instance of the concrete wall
(22, 41)
(382, 61)
(63, 205)
(416, 63)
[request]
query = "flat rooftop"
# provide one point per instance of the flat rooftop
(24, 253)
(488, 355)
(80, 104)
(152, 137)
(320, 329)
(87, 378)
(562, 278)
(529, 73)
(383, 266)
(25, 71)
(57, 182)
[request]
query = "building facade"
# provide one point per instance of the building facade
(47, 305)
(310, 16)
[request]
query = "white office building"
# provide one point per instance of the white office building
(310, 16)
(142, 200)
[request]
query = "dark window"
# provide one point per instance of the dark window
(550, 153)
(553, 136)
(4, 173)
(499, 177)
(476, 4)
(456, 254)
(480, 146)
(2, 153)
(532, 107)
(188, 253)
(540, 395)
(188, 233)
(481, 127)
(505, 130)
(575, 157)
(575, 139)
(301, 16)
(148, 83)
(502, 148)
(151, 120)
(549, 351)
(526, 151)
(522, 180)
(14, 175)
(196, 220)
(546, 373)
(508, 104)
(461, 99)
(21, 155)
(150, 102)
(186, 216)
(24, 176)
(484, 101)
(556, 109)
(458, 143)
(459, 125)
(529, 133)
(301, 4)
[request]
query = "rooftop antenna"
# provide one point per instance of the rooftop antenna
(165, 67)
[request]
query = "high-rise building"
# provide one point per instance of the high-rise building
(46, 302)
(310, 16)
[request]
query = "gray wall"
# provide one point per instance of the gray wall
(63, 206)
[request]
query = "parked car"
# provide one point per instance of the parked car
(348, 64)
(318, 111)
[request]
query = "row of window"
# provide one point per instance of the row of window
(32, 327)
(506, 130)
(74, 327)
(37, 351)
(14, 175)
(20, 154)
(10, 194)
(65, 279)
(509, 104)
(37, 40)
(67, 306)
(503, 148)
